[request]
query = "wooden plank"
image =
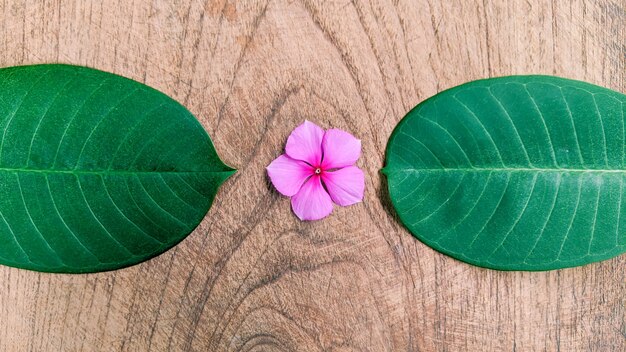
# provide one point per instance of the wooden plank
(252, 277)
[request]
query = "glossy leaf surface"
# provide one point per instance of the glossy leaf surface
(514, 173)
(97, 172)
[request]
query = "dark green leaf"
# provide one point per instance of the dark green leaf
(514, 173)
(97, 172)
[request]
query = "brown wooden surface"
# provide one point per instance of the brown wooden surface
(252, 277)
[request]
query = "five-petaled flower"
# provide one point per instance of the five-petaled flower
(318, 169)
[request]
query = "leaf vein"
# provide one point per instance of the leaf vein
(176, 195)
(497, 150)
(76, 112)
(605, 149)
(424, 146)
(545, 126)
(82, 192)
(102, 118)
(480, 196)
(119, 146)
(56, 209)
(517, 134)
(32, 221)
(505, 188)
(30, 148)
(17, 108)
(124, 215)
(519, 217)
(452, 137)
(444, 202)
(159, 206)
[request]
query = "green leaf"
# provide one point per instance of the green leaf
(97, 172)
(514, 173)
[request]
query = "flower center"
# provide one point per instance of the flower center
(318, 170)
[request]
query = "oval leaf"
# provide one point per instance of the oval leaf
(514, 173)
(97, 172)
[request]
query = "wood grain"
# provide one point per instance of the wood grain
(252, 277)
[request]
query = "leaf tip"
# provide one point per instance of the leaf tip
(230, 171)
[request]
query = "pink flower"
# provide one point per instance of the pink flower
(318, 169)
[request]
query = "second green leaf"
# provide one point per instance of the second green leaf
(514, 173)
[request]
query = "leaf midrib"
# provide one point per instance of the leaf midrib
(108, 172)
(501, 169)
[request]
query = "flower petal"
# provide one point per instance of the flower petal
(340, 149)
(346, 186)
(305, 143)
(288, 174)
(312, 202)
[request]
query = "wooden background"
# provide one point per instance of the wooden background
(252, 277)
